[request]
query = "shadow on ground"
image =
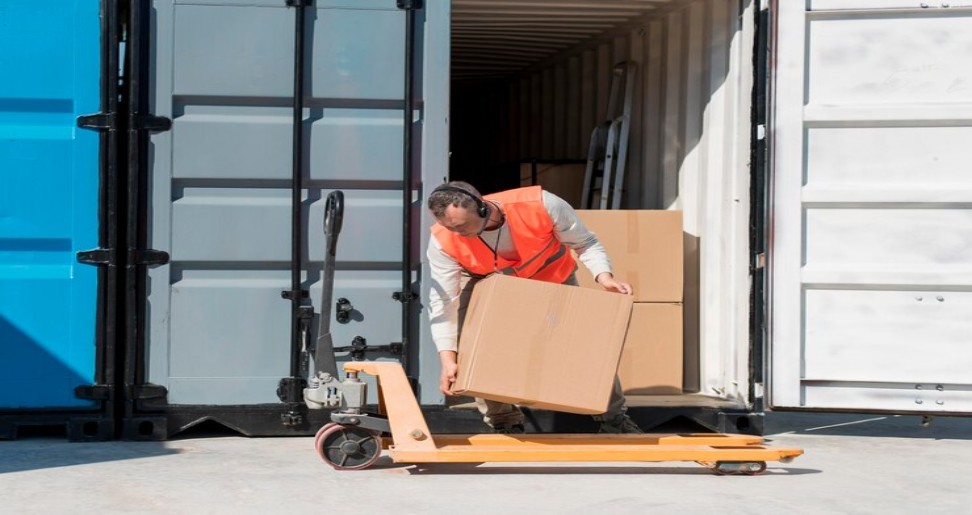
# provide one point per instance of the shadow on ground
(43, 453)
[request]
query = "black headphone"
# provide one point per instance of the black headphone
(482, 209)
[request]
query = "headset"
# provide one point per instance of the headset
(482, 209)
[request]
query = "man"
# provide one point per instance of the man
(523, 232)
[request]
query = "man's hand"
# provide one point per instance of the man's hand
(450, 367)
(609, 283)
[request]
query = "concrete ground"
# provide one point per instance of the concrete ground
(853, 464)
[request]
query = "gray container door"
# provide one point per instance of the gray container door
(218, 331)
(872, 282)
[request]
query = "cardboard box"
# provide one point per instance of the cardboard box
(646, 250)
(651, 362)
(566, 180)
(542, 345)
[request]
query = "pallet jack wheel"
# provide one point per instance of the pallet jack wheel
(739, 468)
(320, 433)
(348, 447)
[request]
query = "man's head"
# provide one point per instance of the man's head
(459, 207)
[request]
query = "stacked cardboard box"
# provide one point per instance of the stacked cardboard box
(646, 250)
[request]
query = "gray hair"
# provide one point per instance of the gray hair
(440, 200)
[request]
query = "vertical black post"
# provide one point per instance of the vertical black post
(759, 205)
(298, 186)
(138, 123)
(137, 100)
(290, 390)
(406, 296)
(111, 353)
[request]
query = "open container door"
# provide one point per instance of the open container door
(220, 200)
(871, 252)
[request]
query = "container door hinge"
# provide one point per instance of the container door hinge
(148, 257)
(759, 261)
(143, 392)
(98, 121)
(409, 4)
(94, 392)
(151, 122)
(97, 257)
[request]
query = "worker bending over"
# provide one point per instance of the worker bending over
(525, 232)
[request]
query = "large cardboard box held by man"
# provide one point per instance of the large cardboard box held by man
(542, 345)
(645, 248)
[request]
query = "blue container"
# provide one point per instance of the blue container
(51, 70)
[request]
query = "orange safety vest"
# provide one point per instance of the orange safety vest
(542, 256)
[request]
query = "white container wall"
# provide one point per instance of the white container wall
(870, 249)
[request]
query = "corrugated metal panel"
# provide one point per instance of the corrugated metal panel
(48, 202)
(871, 286)
(495, 38)
(218, 330)
(689, 141)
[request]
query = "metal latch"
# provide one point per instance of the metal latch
(409, 4)
(291, 389)
(359, 346)
(404, 296)
(290, 295)
(342, 311)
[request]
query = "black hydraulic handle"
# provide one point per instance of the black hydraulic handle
(333, 218)
(324, 360)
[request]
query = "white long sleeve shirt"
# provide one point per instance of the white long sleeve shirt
(446, 271)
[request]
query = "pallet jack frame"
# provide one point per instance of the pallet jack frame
(349, 444)
(354, 440)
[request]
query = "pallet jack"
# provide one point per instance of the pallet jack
(354, 440)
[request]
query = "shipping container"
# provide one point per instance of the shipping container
(813, 147)
(58, 317)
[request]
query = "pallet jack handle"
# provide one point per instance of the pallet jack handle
(324, 360)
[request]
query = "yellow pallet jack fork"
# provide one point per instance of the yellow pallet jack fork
(346, 445)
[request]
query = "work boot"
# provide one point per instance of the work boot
(509, 429)
(621, 424)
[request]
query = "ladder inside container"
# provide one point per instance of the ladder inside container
(607, 153)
